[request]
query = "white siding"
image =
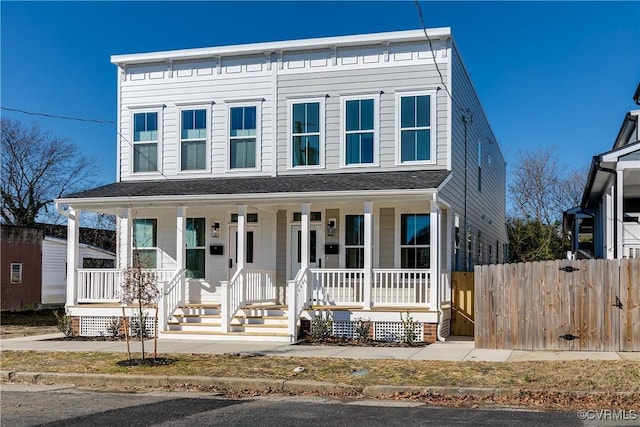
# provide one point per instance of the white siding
(486, 208)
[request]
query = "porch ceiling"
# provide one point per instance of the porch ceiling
(247, 188)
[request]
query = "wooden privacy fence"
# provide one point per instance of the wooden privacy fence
(462, 303)
(559, 305)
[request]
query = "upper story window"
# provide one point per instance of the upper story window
(360, 128)
(145, 142)
(415, 120)
(193, 139)
(306, 133)
(243, 137)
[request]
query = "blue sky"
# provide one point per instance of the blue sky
(549, 74)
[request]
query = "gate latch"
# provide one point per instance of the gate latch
(568, 337)
(569, 269)
(618, 303)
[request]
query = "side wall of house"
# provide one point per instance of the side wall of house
(481, 195)
(20, 246)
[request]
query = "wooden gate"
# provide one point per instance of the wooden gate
(559, 305)
(462, 323)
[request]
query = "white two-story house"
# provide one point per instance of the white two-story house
(344, 175)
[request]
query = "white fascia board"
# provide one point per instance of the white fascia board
(301, 44)
(270, 198)
(613, 156)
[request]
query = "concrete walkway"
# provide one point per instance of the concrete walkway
(452, 350)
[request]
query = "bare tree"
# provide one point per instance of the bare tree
(540, 190)
(37, 167)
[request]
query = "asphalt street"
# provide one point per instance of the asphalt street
(24, 406)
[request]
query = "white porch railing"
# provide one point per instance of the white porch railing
(401, 287)
(297, 300)
(171, 298)
(336, 287)
(245, 287)
(103, 285)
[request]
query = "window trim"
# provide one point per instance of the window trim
(135, 247)
(376, 129)
(290, 103)
(402, 246)
(198, 248)
(159, 110)
(258, 162)
(20, 269)
(207, 166)
(433, 126)
(343, 237)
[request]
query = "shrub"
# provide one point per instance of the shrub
(321, 327)
(63, 323)
(113, 328)
(363, 329)
(409, 326)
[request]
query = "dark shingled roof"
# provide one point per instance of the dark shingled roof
(368, 181)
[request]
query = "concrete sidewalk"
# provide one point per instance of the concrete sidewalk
(452, 350)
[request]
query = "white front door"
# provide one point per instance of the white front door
(316, 251)
(250, 249)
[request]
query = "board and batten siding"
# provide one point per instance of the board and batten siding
(485, 208)
(203, 87)
(382, 81)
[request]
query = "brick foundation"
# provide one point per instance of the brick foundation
(75, 325)
(430, 331)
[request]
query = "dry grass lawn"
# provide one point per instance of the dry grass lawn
(602, 376)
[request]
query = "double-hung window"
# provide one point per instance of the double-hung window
(416, 119)
(359, 130)
(193, 139)
(16, 272)
(306, 120)
(415, 240)
(145, 238)
(354, 241)
(145, 142)
(243, 137)
(195, 242)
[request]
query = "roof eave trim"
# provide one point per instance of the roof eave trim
(256, 48)
(110, 201)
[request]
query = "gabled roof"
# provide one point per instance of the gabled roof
(601, 172)
(258, 187)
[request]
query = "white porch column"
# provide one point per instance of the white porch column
(434, 253)
(368, 254)
(73, 237)
(124, 243)
(305, 243)
(242, 236)
(181, 226)
(619, 219)
(605, 221)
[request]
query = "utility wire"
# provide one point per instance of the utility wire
(54, 116)
(467, 113)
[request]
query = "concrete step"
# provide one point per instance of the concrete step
(230, 336)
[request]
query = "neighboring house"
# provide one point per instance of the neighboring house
(344, 175)
(609, 215)
(34, 264)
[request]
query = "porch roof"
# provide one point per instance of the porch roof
(280, 185)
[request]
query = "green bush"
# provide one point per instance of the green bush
(63, 323)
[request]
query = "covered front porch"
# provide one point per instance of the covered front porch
(226, 266)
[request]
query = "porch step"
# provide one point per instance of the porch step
(230, 336)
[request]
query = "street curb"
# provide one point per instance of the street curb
(261, 384)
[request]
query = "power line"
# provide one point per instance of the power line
(464, 110)
(54, 116)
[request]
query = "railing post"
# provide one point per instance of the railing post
(368, 254)
(293, 310)
(434, 255)
(224, 307)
